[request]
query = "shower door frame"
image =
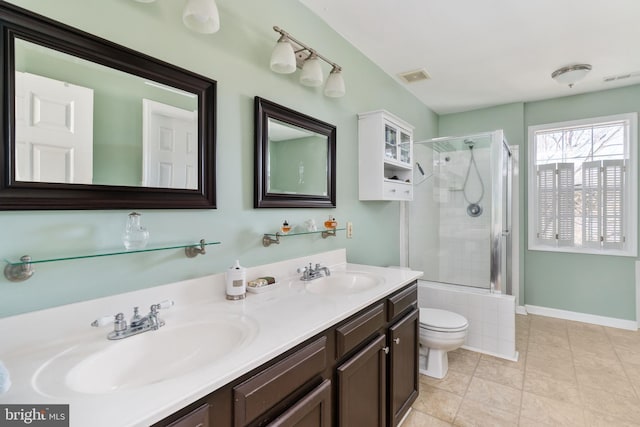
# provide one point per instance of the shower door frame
(500, 231)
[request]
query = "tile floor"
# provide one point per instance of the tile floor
(568, 374)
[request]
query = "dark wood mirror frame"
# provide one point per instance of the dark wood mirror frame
(264, 110)
(16, 22)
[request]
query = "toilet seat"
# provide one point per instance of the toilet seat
(433, 319)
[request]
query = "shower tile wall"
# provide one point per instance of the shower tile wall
(464, 245)
(491, 317)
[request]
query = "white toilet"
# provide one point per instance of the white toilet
(440, 331)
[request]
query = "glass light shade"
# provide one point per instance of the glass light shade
(571, 74)
(283, 58)
(201, 16)
(311, 72)
(335, 85)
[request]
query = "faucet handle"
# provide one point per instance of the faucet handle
(102, 321)
(166, 303)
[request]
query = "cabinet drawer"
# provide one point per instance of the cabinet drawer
(354, 332)
(261, 392)
(314, 409)
(399, 302)
(397, 191)
(197, 418)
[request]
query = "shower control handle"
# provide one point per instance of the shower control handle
(506, 232)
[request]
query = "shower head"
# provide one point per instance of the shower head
(469, 143)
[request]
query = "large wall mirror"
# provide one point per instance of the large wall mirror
(295, 158)
(90, 124)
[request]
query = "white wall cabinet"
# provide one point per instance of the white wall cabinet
(385, 157)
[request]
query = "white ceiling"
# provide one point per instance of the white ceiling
(481, 53)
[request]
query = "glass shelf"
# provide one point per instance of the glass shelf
(270, 238)
(108, 253)
(22, 269)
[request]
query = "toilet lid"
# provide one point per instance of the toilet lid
(442, 320)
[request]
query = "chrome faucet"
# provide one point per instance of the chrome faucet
(310, 273)
(137, 325)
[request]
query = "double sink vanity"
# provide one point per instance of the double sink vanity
(336, 350)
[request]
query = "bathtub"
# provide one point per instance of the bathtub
(492, 323)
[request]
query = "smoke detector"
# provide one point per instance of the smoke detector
(414, 76)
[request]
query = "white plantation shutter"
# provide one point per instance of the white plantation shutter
(556, 204)
(591, 204)
(612, 203)
(566, 204)
(546, 214)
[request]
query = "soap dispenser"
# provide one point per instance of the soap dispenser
(236, 282)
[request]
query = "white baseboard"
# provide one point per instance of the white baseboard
(521, 309)
(631, 325)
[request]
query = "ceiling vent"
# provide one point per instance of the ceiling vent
(625, 76)
(415, 76)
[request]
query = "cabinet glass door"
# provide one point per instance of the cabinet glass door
(405, 148)
(390, 142)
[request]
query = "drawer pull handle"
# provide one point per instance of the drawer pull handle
(386, 350)
(396, 340)
(393, 190)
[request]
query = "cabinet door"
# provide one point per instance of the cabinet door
(362, 387)
(403, 370)
(313, 410)
(390, 142)
(404, 147)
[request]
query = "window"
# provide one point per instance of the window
(582, 186)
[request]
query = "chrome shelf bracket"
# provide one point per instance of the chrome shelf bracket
(19, 272)
(328, 233)
(267, 240)
(194, 251)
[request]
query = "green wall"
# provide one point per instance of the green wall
(238, 58)
(594, 284)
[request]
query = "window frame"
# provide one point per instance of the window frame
(630, 201)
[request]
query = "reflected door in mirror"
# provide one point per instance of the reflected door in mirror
(54, 131)
(169, 146)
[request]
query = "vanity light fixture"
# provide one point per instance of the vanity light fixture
(290, 53)
(201, 16)
(571, 74)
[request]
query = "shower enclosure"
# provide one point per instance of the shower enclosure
(460, 218)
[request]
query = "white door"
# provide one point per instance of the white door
(170, 146)
(54, 130)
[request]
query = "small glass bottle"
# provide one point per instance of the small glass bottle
(330, 223)
(135, 236)
(285, 227)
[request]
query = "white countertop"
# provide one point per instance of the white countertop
(281, 319)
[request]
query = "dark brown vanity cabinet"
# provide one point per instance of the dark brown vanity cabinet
(377, 385)
(403, 365)
(362, 387)
(362, 371)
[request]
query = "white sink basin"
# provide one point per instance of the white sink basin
(344, 283)
(154, 356)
